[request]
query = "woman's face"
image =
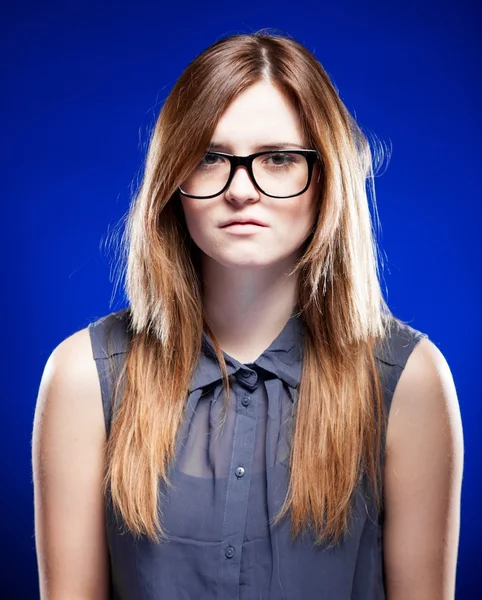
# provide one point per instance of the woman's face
(260, 117)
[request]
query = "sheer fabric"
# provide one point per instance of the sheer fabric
(230, 483)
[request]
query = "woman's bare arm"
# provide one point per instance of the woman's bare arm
(67, 457)
(422, 480)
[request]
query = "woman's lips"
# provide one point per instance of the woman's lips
(244, 227)
(243, 220)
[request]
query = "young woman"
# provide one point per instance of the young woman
(256, 424)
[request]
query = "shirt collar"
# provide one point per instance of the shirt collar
(283, 358)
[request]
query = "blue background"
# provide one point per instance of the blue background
(83, 84)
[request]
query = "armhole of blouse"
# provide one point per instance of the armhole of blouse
(108, 336)
(391, 356)
(393, 353)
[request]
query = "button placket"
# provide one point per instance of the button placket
(237, 494)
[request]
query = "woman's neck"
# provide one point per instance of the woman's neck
(247, 308)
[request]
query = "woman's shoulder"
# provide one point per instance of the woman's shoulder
(69, 388)
(71, 361)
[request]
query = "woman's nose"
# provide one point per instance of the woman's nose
(242, 187)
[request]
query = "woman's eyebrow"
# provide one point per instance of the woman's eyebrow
(218, 147)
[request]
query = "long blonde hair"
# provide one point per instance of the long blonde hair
(339, 421)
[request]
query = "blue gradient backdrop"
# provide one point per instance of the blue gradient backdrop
(83, 84)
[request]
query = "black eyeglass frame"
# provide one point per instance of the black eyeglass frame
(247, 161)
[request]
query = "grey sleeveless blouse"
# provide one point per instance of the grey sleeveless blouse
(229, 485)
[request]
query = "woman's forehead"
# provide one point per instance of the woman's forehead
(260, 115)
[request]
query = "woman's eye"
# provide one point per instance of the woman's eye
(210, 159)
(280, 159)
